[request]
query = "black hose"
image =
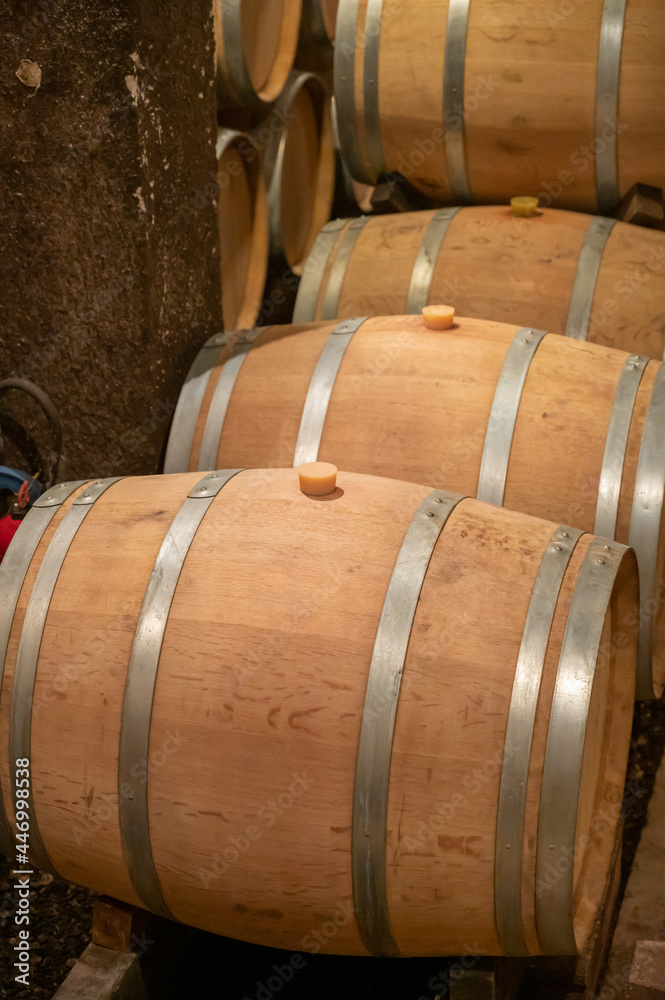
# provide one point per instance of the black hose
(49, 410)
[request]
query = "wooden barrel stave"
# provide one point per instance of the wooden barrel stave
(487, 263)
(224, 742)
(410, 403)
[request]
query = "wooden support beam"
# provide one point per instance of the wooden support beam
(393, 193)
(490, 979)
(103, 974)
(643, 206)
(121, 927)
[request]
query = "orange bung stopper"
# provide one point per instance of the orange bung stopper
(524, 206)
(317, 479)
(438, 317)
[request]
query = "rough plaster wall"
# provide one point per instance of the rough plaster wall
(109, 273)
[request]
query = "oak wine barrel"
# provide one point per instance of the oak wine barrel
(391, 710)
(555, 427)
(299, 164)
(243, 228)
(256, 43)
(475, 101)
(589, 277)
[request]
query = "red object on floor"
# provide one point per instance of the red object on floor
(8, 528)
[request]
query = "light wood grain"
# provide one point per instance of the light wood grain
(529, 98)
(492, 265)
(261, 685)
(413, 403)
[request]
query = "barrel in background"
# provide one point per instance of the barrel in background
(270, 615)
(299, 163)
(555, 427)
(479, 101)
(591, 278)
(243, 228)
(256, 43)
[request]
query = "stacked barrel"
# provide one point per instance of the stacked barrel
(275, 157)
(405, 573)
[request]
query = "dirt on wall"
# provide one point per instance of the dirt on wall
(109, 257)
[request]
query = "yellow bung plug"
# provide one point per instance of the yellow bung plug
(524, 206)
(317, 479)
(438, 317)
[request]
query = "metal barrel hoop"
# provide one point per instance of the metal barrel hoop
(562, 766)
(187, 410)
(372, 130)
(338, 269)
(346, 46)
(503, 415)
(511, 811)
(27, 659)
(614, 456)
(453, 99)
(586, 276)
(372, 778)
(240, 81)
(320, 390)
(304, 310)
(140, 687)
(645, 526)
(423, 269)
(13, 570)
(607, 104)
(219, 404)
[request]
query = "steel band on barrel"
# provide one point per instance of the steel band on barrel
(376, 163)
(140, 687)
(372, 780)
(187, 411)
(13, 569)
(423, 269)
(336, 276)
(607, 104)
(503, 416)
(346, 46)
(320, 390)
(519, 737)
(453, 99)
(645, 522)
(240, 80)
(562, 767)
(304, 310)
(586, 276)
(614, 457)
(25, 674)
(219, 404)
